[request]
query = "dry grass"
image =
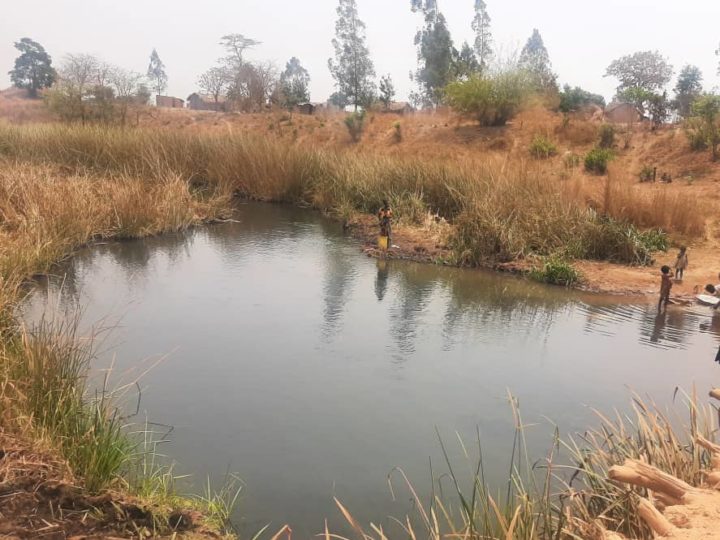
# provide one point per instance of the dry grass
(565, 494)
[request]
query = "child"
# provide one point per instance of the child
(681, 263)
(665, 286)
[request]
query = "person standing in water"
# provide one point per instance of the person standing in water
(681, 263)
(665, 286)
(385, 217)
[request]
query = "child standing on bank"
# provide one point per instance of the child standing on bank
(665, 286)
(681, 263)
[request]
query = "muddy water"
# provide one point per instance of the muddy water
(280, 352)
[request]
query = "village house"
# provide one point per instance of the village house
(201, 102)
(305, 108)
(169, 102)
(622, 113)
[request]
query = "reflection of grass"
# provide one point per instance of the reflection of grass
(566, 494)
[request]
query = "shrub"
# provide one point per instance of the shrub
(556, 271)
(571, 160)
(574, 99)
(612, 240)
(542, 148)
(607, 136)
(397, 133)
(646, 173)
(355, 123)
(596, 160)
(492, 100)
(704, 129)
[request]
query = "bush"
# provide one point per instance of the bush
(542, 148)
(355, 123)
(571, 160)
(704, 128)
(574, 99)
(492, 100)
(647, 173)
(607, 136)
(397, 133)
(608, 239)
(556, 271)
(597, 159)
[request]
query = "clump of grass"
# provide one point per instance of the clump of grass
(556, 271)
(397, 132)
(646, 174)
(571, 160)
(596, 160)
(355, 124)
(542, 148)
(607, 136)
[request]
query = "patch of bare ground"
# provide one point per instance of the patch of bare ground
(40, 498)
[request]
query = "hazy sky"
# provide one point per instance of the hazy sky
(582, 37)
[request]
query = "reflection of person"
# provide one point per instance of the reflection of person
(665, 286)
(385, 217)
(381, 280)
(717, 356)
(681, 263)
(658, 325)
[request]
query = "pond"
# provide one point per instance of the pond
(276, 349)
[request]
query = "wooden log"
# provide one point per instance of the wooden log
(655, 520)
(641, 474)
(715, 393)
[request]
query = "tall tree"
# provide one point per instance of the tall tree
(352, 67)
(687, 89)
(644, 70)
(465, 63)
(156, 73)
(294, 84)
(214, 83)
(236, 45)
(483, 35)
(387, 90)
(33, 68)
(534, 59)
(435, 51)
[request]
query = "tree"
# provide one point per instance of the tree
(534, 59)
(491, 100)
(387, 90)
(294, 84)
(707, 110)
(236, 45)
(574, 99)
(483, 36)
(658, 108)
(644, 70)
(33, 68)
(156, 73)
(435, 51)
(687, 89)
(339, 100)
(126, 87)
(352, 67)
(214, 82)
(465, 63)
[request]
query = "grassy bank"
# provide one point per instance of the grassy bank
(502, 208)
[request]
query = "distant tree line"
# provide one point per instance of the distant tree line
(471, 79)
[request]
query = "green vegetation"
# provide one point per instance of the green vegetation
(493, 99)
(575, 99)
(556, 271)
(607, 136)
(646, 174)
(703, 129)
(596, 160)
(355, 124)
(542, 148)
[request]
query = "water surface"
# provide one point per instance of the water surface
(286, 355)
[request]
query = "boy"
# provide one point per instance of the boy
(681, 263)
(665, 286)
(385, 217)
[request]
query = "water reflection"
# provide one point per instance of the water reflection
(313, 370)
